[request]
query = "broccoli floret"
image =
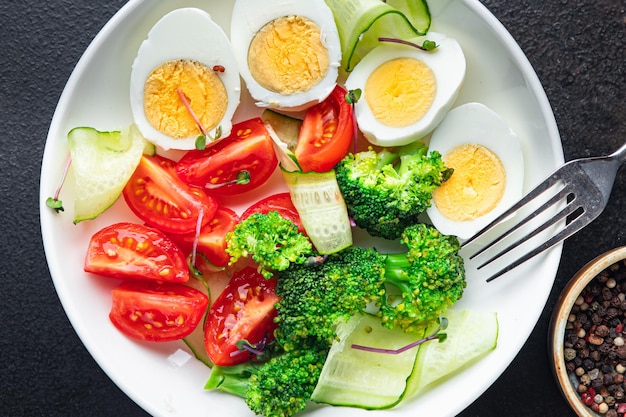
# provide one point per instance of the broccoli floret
(385, 191)
(411, 288)
(284, 384)
(429, 277)
(313, 296)
(272, 241)
(279, 387)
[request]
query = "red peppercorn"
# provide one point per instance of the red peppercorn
(219, 68)
(619, 328)
(587, 398)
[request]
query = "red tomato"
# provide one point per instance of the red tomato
(248, 148)
(212, 237)
(157, 312)
(161, 199)
(129, 250)
(281, 203)
(243, 311)
(326, 133)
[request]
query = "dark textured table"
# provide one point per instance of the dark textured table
(577, 48)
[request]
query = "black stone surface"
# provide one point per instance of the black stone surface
(577, 48)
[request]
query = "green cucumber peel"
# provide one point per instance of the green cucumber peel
(361, 22)
(102, 164)
(322, 209)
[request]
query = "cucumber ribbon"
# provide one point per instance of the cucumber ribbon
(361, 22)
(318, 200)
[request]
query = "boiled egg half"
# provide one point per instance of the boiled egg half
(406, 91)
(288, 51)
(184, 81)
(488, 164)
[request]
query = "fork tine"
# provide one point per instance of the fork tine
(566, 232)
(566, 211)
(549, 182)
(556, 198)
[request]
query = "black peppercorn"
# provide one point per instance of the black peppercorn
(594, 343)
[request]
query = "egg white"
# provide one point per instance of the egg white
(475, 123)
(448, 64)
(190, 34)
(249, 16)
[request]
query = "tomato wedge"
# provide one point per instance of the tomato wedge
(248, 149)
(280, 203)
(243, 311)
(157, 312)
(161, 199)
(326, 134)
(212, 238)
(135, 251)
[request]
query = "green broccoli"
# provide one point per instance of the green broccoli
(385, 191)
(314, 295)
(411, 288)
(272, 241)
(279, 387)
(429, 277)
(286, 382)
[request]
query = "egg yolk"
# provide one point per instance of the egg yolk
(400, 91)
(287, 55)
(203, 89)
(476, 186)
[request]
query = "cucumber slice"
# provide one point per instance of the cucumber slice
(149, 149)
(361, 22)
(470, 335)
(195, 343)
(287, 128)
(322, 209)
(369, 380)
(102, 163)
(211, 284)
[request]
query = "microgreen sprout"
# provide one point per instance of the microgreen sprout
(54, 202)
(200, 143)
(316, 260)
(245, 346)
(427, 45)
(185, 101)
(435, 335)
(201, 140)
(194, 248)
(352, 97)
(243, 177)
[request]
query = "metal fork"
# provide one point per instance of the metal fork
(586, 187)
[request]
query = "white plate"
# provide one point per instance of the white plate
(97, 95)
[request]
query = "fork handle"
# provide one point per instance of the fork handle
(620, 154)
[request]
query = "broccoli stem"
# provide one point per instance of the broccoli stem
(396, 265)
(232, 379)
(386, 157)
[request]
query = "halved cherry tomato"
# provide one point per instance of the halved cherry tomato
(280, 203)
(212, 238)
(249, 148)
(326, 134)
(157, 312)
(161, 199)
(243, 311)
(130, 250)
